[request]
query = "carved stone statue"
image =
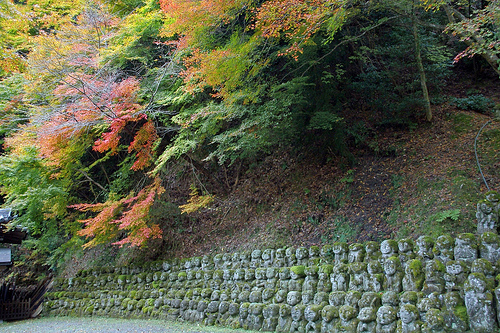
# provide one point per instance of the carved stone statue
(255, 317)
(298, 321)
(434, 277)
(367, 320)
(389, 248)
(414, 276)
(393, 274)
(386, 319)
(324, 284)
(312, 313)
(465, 248)
(358, 276)
(302, 255)
(454, 312)
(270, 314)
(479, 304)
(409, 322)
(455, 276)
(372, 250)
(340, 277)
(348, 319)
(329, 316)
(489, 247)
(284, 320)
(356, 253)
(443, 248)
(487, 217)
(405, 250)
(340, 251)
(375, 279)
(425, 245)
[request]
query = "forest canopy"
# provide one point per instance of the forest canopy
(104, 103)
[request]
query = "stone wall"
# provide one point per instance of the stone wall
(425, 285)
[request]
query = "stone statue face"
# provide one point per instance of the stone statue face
(328, 313)
(280, 296)
(255, 296)
(373, 267)
(244, 310)
(347, 312)
(202, 305)
(452, 300)
(267, 294)
(301, 253)
(284, 273)
(293, 298)
(454, 268)
(320, 297)
(244, 295)
(260, 273)
(310, 313)
(280, 253)
(271, 272)
(285, 310)
(313, 251)
(336, 298)
(256, 254)
(223, 307)
(367, 314)
(390, 267)
(307, 297)
(266, 255)
(385, 247)
(249, 274)
(239, 274)
(234, 309)
(407, 314)
(218, 258)
(386, 315)
(290, 252)
(485, 208)
(297, 312)
(235, 257)
(215, 295)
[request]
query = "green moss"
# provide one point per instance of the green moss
(469, 238)
(298, 270)
(461, 312)
(328, 269)
(314, 250)
(311, 270)
(489, 237)
(415, 266)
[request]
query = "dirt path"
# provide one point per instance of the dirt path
(105, 325)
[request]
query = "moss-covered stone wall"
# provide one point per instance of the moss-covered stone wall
(425, 285)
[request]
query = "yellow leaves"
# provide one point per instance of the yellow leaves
(196, 201)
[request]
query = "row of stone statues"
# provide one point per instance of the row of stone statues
(464, 248)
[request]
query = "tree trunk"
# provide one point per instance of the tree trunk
(421, 71)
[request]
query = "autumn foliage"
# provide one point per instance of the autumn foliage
(127, 216)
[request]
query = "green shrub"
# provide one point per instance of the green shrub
(478, 103)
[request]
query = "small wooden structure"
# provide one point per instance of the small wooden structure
(22, 303)
(17, 303)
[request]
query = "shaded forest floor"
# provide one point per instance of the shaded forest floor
(404, 182)
(401, 182)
